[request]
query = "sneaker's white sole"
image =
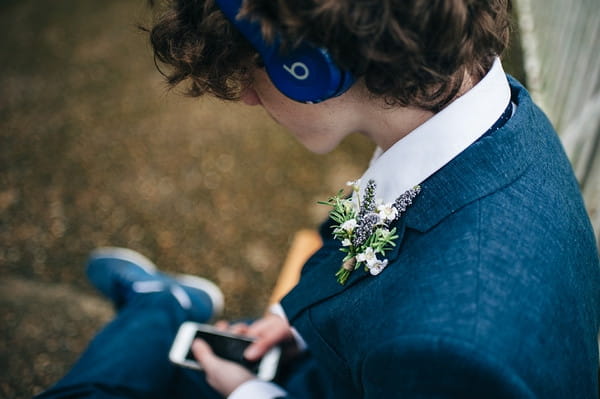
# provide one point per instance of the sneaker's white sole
(125, 254)
(211, 289)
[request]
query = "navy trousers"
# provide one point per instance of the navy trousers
(129, 357)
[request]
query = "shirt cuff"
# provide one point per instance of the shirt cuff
(277, 310)
(257, 389)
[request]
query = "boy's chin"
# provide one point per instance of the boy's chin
(318, 143)
(320, 148)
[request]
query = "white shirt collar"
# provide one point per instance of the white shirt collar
(436, 142)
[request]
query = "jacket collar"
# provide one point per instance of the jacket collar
(441, 138)
(489, 164)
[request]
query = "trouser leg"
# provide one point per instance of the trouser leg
(129, 357)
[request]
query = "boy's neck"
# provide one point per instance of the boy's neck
(387, 125)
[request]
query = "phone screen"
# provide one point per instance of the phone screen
(228, 348)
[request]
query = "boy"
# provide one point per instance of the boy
(490, 285)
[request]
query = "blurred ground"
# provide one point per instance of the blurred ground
(94, 152)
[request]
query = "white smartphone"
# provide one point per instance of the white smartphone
(226, 345)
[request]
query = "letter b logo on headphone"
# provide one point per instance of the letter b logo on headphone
(298, 70)
(307, 74)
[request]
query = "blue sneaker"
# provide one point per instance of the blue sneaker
(121, 273)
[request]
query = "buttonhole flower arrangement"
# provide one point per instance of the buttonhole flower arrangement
(363, 227)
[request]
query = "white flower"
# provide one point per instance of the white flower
(349, 225)
(387, 212)
(385, 233)
(350, 205)
(368, 256)
(355, 184)
(346, 242)
(377, 267)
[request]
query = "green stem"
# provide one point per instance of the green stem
(342, 275)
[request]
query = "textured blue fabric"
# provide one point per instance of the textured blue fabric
(493, 289)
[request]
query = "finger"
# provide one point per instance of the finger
(239, 328)
(222, 375)
(270, 330)
(258, 348)
(222, 325)
(204, 354)
(261, 327)
(256, 329)
(262, 345)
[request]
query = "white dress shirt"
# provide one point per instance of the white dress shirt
(419, 154)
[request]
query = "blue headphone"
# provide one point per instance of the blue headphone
(307, 74)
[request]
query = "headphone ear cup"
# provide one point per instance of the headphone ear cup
(306, 74)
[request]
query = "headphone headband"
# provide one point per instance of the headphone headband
(306, 74)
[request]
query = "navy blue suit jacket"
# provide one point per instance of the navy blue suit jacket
(493, 289)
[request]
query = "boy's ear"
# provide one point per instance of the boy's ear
(305, 73)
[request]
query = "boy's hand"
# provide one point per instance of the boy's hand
(223, 375)
(269, 331)
(226, 376)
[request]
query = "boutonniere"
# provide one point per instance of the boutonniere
(363, 227)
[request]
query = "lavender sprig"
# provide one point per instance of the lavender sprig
(406, 199)
(368, 203)
(366, 227)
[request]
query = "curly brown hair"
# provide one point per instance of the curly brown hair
(409, 52)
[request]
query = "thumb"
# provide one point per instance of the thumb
(222, 375)
(259, 347)
(270, 331)
(263, 344)
(203, 353)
